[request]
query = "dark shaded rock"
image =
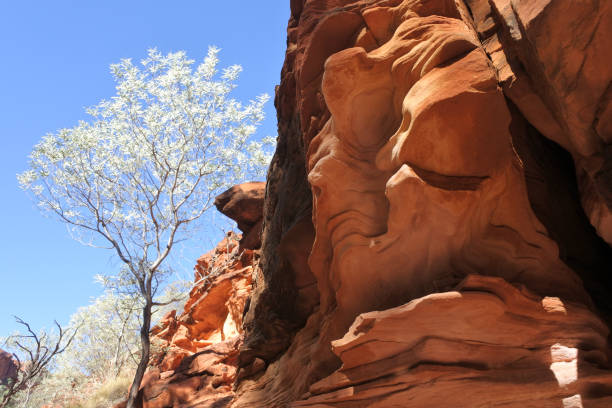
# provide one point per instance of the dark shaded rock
(8, 367)
(243, 203)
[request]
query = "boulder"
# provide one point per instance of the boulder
(244, 204)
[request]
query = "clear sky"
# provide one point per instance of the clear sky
(55, 58)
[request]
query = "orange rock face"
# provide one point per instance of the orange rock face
(195, 361)
(465, 347)
(436, 223)
(195, 353)
(557, 71)
(456, 158)
(244, 204)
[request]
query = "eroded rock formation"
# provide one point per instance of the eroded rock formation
(195, 357)
(444, 143)
(195, 361)
(552, 63)
(464, 348)
(437, 217)
(244, 204)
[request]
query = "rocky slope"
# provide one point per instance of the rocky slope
(195, 353)
(437, 218)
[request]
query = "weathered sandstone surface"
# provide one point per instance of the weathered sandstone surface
(437, 219)
(195, 360)
(487, 344)
(244, 204)
(454, 181)
(195, 353)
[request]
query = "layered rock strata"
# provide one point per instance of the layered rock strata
(436, 223)
(195, 352)
(195, 358)
(445, 144)
(552, 58)
(465, 348)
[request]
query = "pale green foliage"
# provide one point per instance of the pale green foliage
(108, 394)
(103, 352)
(67, 390)
(36, 357)
(95, 370)
(152, 159)
(2, 392)
(49, 387)
(139, 176)
(173, 297)
(107, 342)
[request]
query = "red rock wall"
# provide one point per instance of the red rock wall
(195, 351)
(456, 155)
(437, 219)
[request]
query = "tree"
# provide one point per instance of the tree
(139, 176)
(107, 341)
(100, 358)
(34, 354)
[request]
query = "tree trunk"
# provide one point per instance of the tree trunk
(144, 357)
(5, 400)
(10, 392)
(28, 395)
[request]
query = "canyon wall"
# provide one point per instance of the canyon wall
(437, 219)
(437, 214)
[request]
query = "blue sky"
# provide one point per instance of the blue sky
(55, 58)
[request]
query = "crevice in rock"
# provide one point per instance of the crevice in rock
(552, 187)
(448, 182)
(271, 322)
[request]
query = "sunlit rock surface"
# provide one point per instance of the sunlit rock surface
(436, 222)
(553, 61)
(425, 146)
(487, 344)
(195, 353)
(244, 204)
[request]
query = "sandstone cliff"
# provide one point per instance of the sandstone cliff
(437, 218)
(195, 358)
(435, 154)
